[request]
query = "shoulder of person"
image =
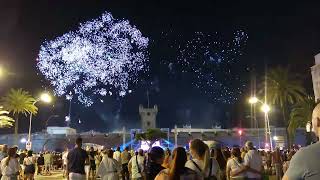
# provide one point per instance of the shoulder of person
(164, 172)
(189, 171)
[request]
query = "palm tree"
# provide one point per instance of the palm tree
(300, 114)
(17, 102)
(284, 90)
(5, 121)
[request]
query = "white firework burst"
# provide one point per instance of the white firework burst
(103, 55)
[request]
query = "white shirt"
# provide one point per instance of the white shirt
(109, 169)
(234, 165)
(117, 156)
(64, 157)
(254, 161)
(134, 166)
(214, 171)
(12, 168)
(29, 161)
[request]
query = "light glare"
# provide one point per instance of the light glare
(265, 108)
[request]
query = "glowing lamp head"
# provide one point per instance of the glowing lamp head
(267, 145)
(240, 132)
(265, 108)
(253, 100)
(45, 97)
(275, 138)
(23, 140)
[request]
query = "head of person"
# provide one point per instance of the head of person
(4, 148)
(249, 145)
(126, 148)
(168, 152)
(29, 154)
(91, 148)
(235, 152)
(11, 154)
(109, 153)
(79, 142)
(316, 120)
(118, 148)
(220, 158)
(140, 152)
(156, 155)
(199, 150)
(15, 148)
(178, 162)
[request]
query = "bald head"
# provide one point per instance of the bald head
(316, 120)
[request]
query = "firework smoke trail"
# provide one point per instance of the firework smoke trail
(101, 58)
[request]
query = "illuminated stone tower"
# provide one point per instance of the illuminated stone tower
(315, 72)
(148, 117)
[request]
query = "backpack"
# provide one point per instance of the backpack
(210, 176)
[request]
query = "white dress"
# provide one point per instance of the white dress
(109, 169)
(9, 172)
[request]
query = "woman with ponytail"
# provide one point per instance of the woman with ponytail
(177, 170)
(201, 162)
(10, 166)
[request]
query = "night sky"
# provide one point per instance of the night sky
(278, 34)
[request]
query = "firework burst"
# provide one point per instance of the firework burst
(102, 57)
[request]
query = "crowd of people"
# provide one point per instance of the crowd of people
(197, 162)
(23, 164)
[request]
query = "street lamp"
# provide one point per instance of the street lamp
(253, 100)
(266, 109)
(45, 97)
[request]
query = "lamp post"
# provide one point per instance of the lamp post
(45, 98)
(50, 117)
(266, 109)
(240, 137)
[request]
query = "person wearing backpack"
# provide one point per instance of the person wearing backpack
(136, 166)
(201, 162)
(177, 169)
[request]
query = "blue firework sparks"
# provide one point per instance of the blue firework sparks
(102, 57)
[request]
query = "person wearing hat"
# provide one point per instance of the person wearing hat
(305, 164)
(252, 162)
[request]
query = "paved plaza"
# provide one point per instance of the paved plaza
(57, 175)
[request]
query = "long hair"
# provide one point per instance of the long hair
(202, 150)
(220, 158)
(11, 154)
(178, 162)
(235, 152)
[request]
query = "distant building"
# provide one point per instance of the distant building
(54, 130)
(315, 72)
(148, 117)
